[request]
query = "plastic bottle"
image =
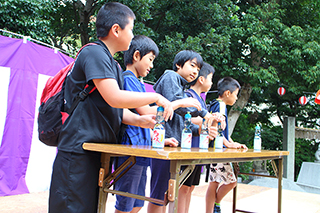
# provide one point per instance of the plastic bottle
(204, 136)
(257, 138)
(186, 136)
(159, 130)
(218, 142)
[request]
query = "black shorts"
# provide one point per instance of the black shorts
(194, 178)
(74, 184)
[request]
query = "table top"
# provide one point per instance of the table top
(176, 153)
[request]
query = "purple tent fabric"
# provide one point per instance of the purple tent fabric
(26, 61)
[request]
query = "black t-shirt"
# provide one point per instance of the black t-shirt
(93, 120)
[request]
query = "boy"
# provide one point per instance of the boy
(96, 119)
(201, 85)
(138, 60)
(228, 89)
(171, 84)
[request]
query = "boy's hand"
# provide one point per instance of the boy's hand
(239, 146)
(171, 142)
(147, 121)
(168, 109)
(212, 132)
(214, 118)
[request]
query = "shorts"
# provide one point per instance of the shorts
(134, 182)
(194, 178)
(160, 175)
(221, 172)
(74, 183)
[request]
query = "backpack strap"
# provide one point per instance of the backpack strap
(81, 96)
(87, 89)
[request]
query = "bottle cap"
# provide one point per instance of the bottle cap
(257, 127)
(160, 109)
(187, 116)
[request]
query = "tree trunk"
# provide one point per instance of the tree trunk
(236, 109)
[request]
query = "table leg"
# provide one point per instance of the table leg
(174, 181)
(105, 161)
(280, 184)
(234, 200)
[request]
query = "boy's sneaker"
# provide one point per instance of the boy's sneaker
(216, 209)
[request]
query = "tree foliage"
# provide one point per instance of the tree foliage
(263, 44)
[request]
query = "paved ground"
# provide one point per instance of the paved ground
(250, 198)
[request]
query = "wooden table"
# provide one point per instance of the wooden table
(177, 158)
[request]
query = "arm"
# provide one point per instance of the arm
(143, 121)
(117, 98)
(186, 102)
(232, 144)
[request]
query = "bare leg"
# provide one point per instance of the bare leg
(223, 190)
(211, 196)
(189, 199)
(134, 210)
(152, 208)
(184, 198)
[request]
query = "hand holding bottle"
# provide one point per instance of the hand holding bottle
(167, 105)
(214, 118)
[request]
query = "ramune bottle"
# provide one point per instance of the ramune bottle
(257, 138)
(159, 130)
(218, 142)
(186, 136)
(204, 136)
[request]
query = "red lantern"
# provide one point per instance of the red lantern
(303, 100)
(317, 99)
(281, 91)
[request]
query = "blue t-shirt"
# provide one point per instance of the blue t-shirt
(193, 94)
(136, 135)
(219, 106)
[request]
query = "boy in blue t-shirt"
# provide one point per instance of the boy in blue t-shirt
(201, 85)
(171, 84)
(139, 61)
(228, 89)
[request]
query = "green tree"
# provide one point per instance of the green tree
(263, 44)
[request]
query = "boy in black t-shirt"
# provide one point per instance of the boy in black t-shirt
(97, 119)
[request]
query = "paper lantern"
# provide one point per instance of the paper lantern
(281, 91)
(317, 99)
(303, 100)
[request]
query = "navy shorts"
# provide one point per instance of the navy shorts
(160, 175)
(133, 181)
(194, 178)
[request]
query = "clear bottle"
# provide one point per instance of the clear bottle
(186, 136)
(158, 130)
(257, 138)
(218, 142)
(204, 136)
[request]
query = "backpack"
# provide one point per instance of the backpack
(51, 115)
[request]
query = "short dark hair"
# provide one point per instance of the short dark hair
(205, 70)
(112, 13)
(185, 55)
(143, 44)
(227, 83)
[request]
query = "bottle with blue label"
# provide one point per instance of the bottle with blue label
(204, 136)
(218, 142)
(257, 138)
(158, 130)
(186, 136)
